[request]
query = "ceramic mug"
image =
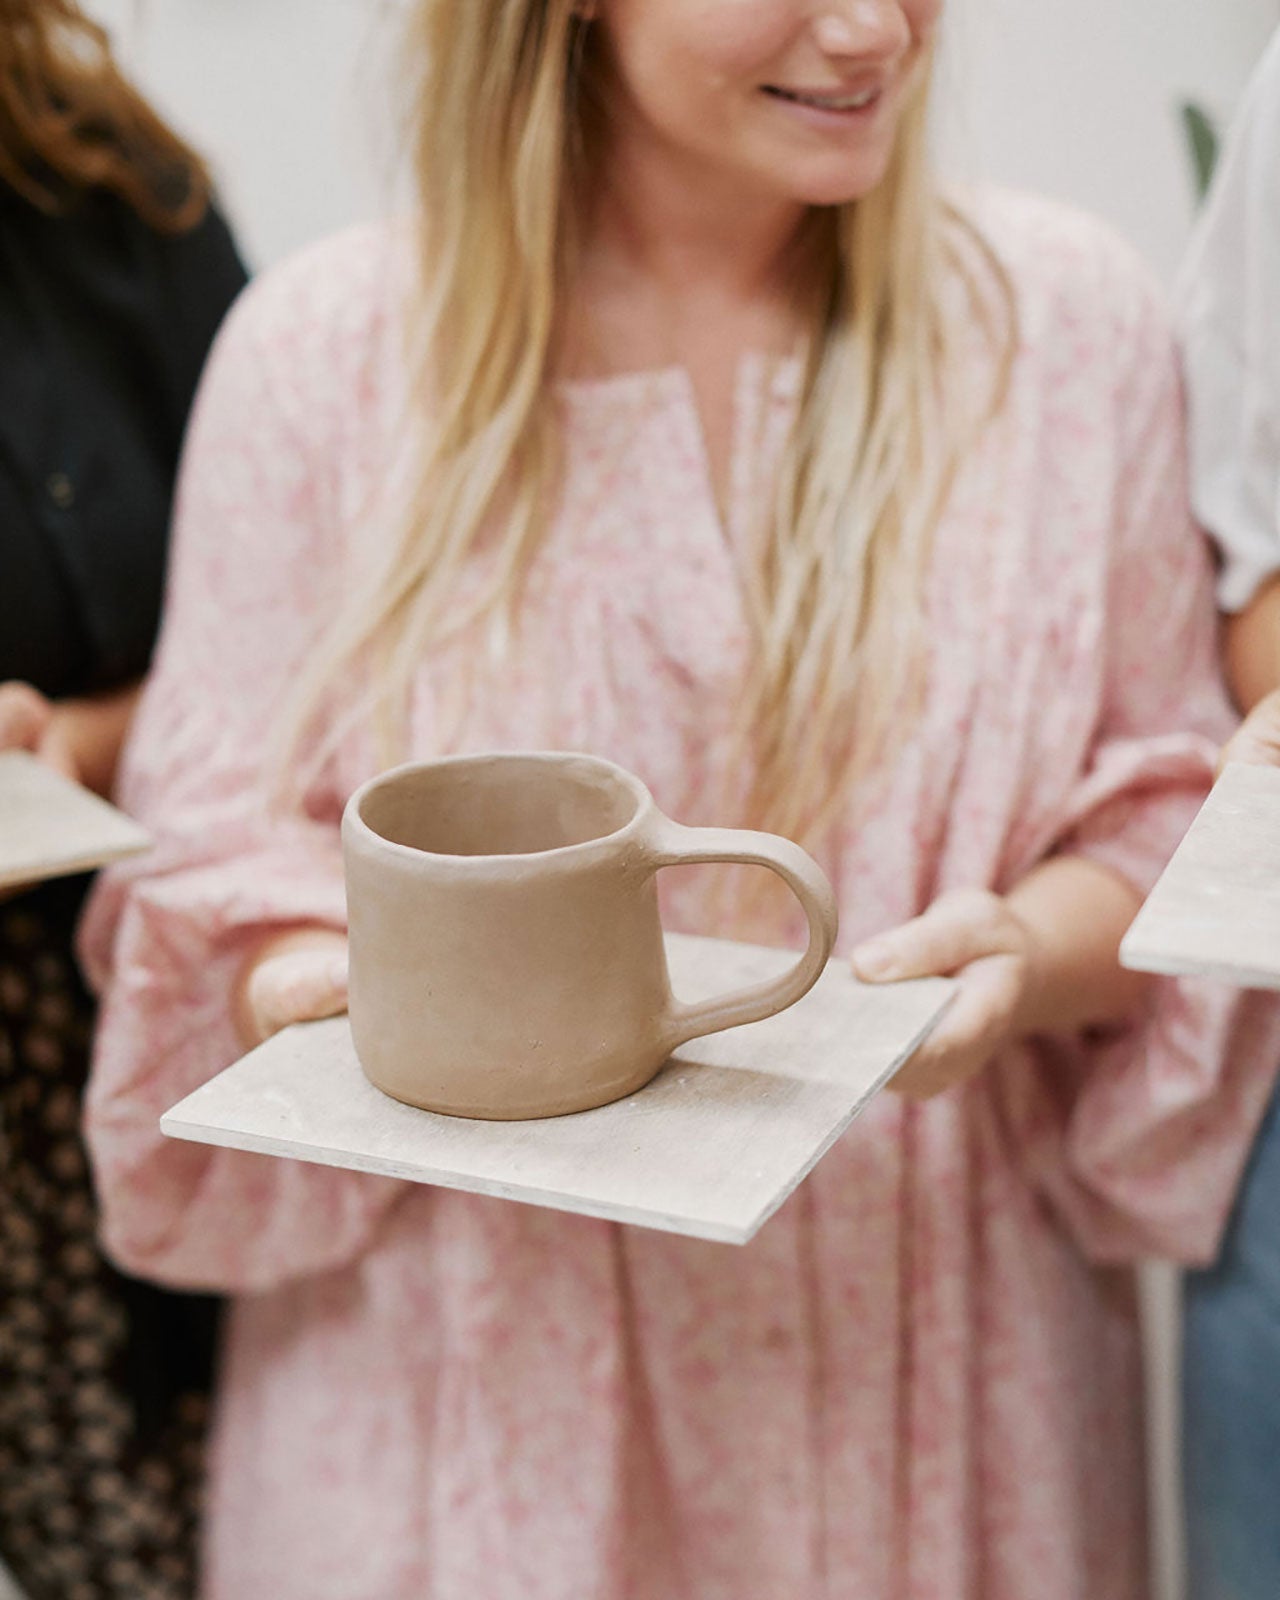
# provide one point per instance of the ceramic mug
(507, 958)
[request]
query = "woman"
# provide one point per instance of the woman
(114, 273)
(698, 430)
(1231, 317)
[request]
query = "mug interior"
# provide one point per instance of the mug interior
(499, 806)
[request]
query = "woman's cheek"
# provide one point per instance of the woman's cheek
(923, 17)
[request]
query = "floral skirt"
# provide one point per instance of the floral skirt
(104, 1381)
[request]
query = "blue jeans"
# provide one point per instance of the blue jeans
(1231, 1395)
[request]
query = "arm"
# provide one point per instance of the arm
(254, 568)
(91, 733)
(80, 738)
(1230, 316)
(1077, 911)
(1253, 647)
(1253, 670)
(1041, 960)
(1231, 337)
(191, 280)
(1155, 1119)
(1135, 1131)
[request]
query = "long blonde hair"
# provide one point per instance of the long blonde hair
(834, 588)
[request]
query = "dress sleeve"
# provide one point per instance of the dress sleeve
(1229, 302)
(1142, 1136)
(255, 559)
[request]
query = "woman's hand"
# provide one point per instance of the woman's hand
(28, 722)
(977, 938)
(81, 739)
(1257, 741)
(1043, 959)
(296, 976)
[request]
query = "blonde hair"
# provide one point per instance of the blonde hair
(834, 587)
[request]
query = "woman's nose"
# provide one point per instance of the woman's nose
(864, 28)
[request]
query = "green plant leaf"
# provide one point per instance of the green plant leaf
(1202, 137)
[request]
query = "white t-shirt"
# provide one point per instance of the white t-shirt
(1229, 303)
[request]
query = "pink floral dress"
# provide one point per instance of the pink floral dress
(921, 1381)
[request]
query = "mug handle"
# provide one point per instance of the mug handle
(670, 845)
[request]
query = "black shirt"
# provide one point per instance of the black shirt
(104, 327)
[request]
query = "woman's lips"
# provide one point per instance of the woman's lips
(838, 101)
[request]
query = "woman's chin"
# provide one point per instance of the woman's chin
(840, 187)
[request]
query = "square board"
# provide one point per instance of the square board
(1215, 912)
(711, 1148)
(51, 827)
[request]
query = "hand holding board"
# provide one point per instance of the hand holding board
(1215, 913)
(51, 827)
(710, 1148)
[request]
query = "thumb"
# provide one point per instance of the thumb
(1257, 741)
(25, 715)
(962, 926)
(55, 750)
(297, 986)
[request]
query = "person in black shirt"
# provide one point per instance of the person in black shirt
(115, 272)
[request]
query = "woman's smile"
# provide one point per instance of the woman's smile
(831, 108)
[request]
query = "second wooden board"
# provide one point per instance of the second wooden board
(711, 1148)
(50, 827)
(1215, 913)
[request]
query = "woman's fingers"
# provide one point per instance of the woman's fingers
(958, 928)
(26, 722)
(25, 716)
(1258, 740)
(57, 750)
(30, 722)
(301, 985)
(974, 935)
(974, 1024)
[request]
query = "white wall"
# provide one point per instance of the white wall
(289, 99)
(1080, 97)
(1077, 97)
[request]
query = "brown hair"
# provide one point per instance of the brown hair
(70, 121)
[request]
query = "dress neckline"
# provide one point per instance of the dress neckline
(784, 373)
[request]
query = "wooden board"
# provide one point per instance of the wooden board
(1215, 913)
(50, 827)
(711, 1148)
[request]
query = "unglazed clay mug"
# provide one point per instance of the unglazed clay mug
(507, 958)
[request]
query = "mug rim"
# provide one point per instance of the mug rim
(354, 823)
